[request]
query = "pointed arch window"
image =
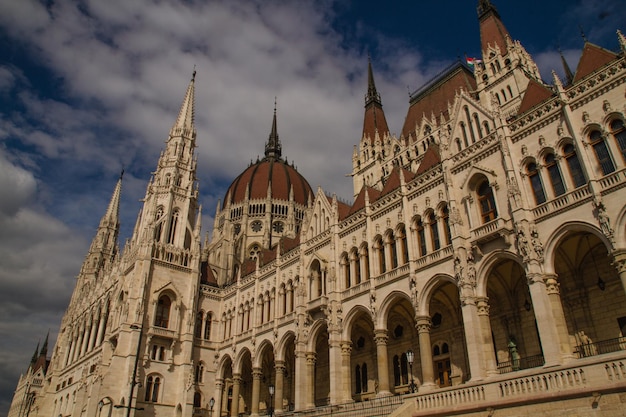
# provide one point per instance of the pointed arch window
(619, 133)
(573, 164)
(603, 155)
(535, 183)
(445, 215)
(163, 312)
(487, 202)
(173, 225)
(421, 237)
(555, 175)
(153, 385)
(198, 328)
(434, 230)
(207, 326)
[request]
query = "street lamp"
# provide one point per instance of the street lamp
(270, 388)
(211, 404)
(409, 358)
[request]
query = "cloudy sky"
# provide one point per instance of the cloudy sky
(90, 87)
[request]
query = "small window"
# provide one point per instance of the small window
(535, 183)
(163, 312)
(486, 202)
(619, 133)
(555, 175)
(573, 164)
(603, 155)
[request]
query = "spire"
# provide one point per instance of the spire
(185, 118)
(44, 349)
(372, 95)
(492, 30)
(111, 217)
(273, 147)
(35, 355)
(569, 76)
(374, 121)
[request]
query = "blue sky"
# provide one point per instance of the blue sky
(90, 87)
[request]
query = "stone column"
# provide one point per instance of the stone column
(101, 328)
(380, 337)
(92, 336)
(544, 292)
(256, 391)
(300, 377)
(279, 368)
(234, 407)
(85, 340)
(335, 368)
(491, 367)
(217, 396)
(426, 356)
(311, 358)
(619, 261)
(346, 389)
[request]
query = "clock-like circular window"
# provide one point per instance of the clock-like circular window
(256, 226)
(278, 227)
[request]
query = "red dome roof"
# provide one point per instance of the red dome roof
(257, 178)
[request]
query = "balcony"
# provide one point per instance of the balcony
(598, 348)
(519, 364)
(491, 231)
(162, 332)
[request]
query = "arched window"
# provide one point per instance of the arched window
(396, 371)
(445, 215)
(464, 132)
(391, 240)
(421, 237)
(345, 267)
(197, 400)
(354, 260)
(357, 378)
(555, 175)
(198, 327)
(434, 230)
(619, 133)
(486, 202)
(603, 155)
(364, 377)
(380, 254)
(173, 226)
(535, 183)
(207, 326)
(153, 385)
(163, 312)
(573, 163)
(199, 373)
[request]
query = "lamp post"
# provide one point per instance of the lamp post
(211, 404)
(270, 388)
(409, 358)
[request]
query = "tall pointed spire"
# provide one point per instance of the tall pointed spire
(492, 30)
(273, 148)
(185, 118)
(372, 95)
(374, 121)
(112, 215)
(44, 348)
(569, 76)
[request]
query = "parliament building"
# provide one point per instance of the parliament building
(480, 268)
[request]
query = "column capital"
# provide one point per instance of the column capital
(482, 303)
(237, 379)
(311, 358)
(423, 324)
(380, 336)
(619, 260)
(346, 348)
(257, 373)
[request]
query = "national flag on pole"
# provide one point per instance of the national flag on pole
(472, 61)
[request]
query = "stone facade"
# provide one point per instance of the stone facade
(480, 267)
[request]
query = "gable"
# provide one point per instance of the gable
(593, 58)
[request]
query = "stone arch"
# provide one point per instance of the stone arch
(283, 342)
(350, 317)
(242, 355)
(387, 304)
(428, 290)
(553, 241)
(263, 347)
(488, 263)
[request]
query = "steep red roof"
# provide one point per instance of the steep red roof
(288, 244)
(492, 30)
(206, 274)
(359, 201)
(393, 181)
(343, 209)
(432, 157)
(373, 122)
(434, 97)
(592, 58)
(535, 93)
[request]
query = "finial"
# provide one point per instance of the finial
(122, 173)
(275, 99)
(582, 33)
(193, 75)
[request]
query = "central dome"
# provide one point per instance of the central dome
(271, 173)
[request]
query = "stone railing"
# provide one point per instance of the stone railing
(603, 346)
(561, 203)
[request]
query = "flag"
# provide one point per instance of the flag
(472, 61)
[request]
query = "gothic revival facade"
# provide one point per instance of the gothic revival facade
(480, 266)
